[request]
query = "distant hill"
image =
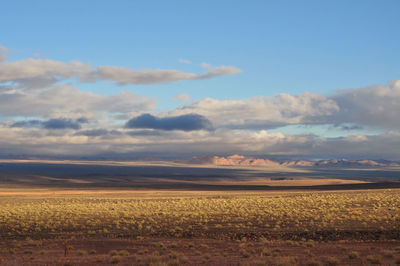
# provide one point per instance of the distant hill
(250, 161)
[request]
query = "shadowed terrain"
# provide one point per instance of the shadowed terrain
(167, 175)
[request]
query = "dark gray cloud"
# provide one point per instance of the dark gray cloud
(56, 123)
(61, 123)
(82, 120)
(97, 132)
(189, 122)
(144, 133)
(348, 127)
(28, 123)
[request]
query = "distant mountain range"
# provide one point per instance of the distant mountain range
(248, 161)
(234, 160)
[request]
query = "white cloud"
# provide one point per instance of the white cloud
(205, 65)
(376, 106)
(3, 53)
(67, 101)
(30, 69)
(261, 112)
(38, 72)
(219, 71)
(182, 97)
(224, 141)
(184, 61)
(124, 75)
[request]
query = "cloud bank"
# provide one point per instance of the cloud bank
(55, 123)
(189, 122)
(41, 112)
(68, 101)
(263, 112)
(376, 106)
(238, 126)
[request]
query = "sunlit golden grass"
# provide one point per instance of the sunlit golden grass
(198, 214)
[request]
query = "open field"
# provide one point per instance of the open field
(194, 227)
(84, 214)
(221, 215)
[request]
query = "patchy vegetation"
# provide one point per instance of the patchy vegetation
(294, 215)
(195, 228)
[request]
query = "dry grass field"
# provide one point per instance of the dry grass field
(200, 227)
(222, 215)
(83, 214)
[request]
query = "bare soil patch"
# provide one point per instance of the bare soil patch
(164, 251)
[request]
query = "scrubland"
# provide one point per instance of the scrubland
(254, 228)
(292, 215)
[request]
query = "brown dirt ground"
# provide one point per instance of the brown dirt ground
(156, 251)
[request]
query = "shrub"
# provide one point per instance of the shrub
(113, 253)
(123, 253)
(173, 263)
(309, 244)
(153, 259)
(332, 261)
(388, 254)
(82, 252)
(184, 260)
(288, 261)
(203, 246)
(375, 259)
(354, 255)
(173, 255)
(116, 260)
(266, 252)
(313, 263)
(173, 245)
(244, 253)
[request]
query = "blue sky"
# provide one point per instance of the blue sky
(280, 46)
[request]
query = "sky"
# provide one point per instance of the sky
(314, 79)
